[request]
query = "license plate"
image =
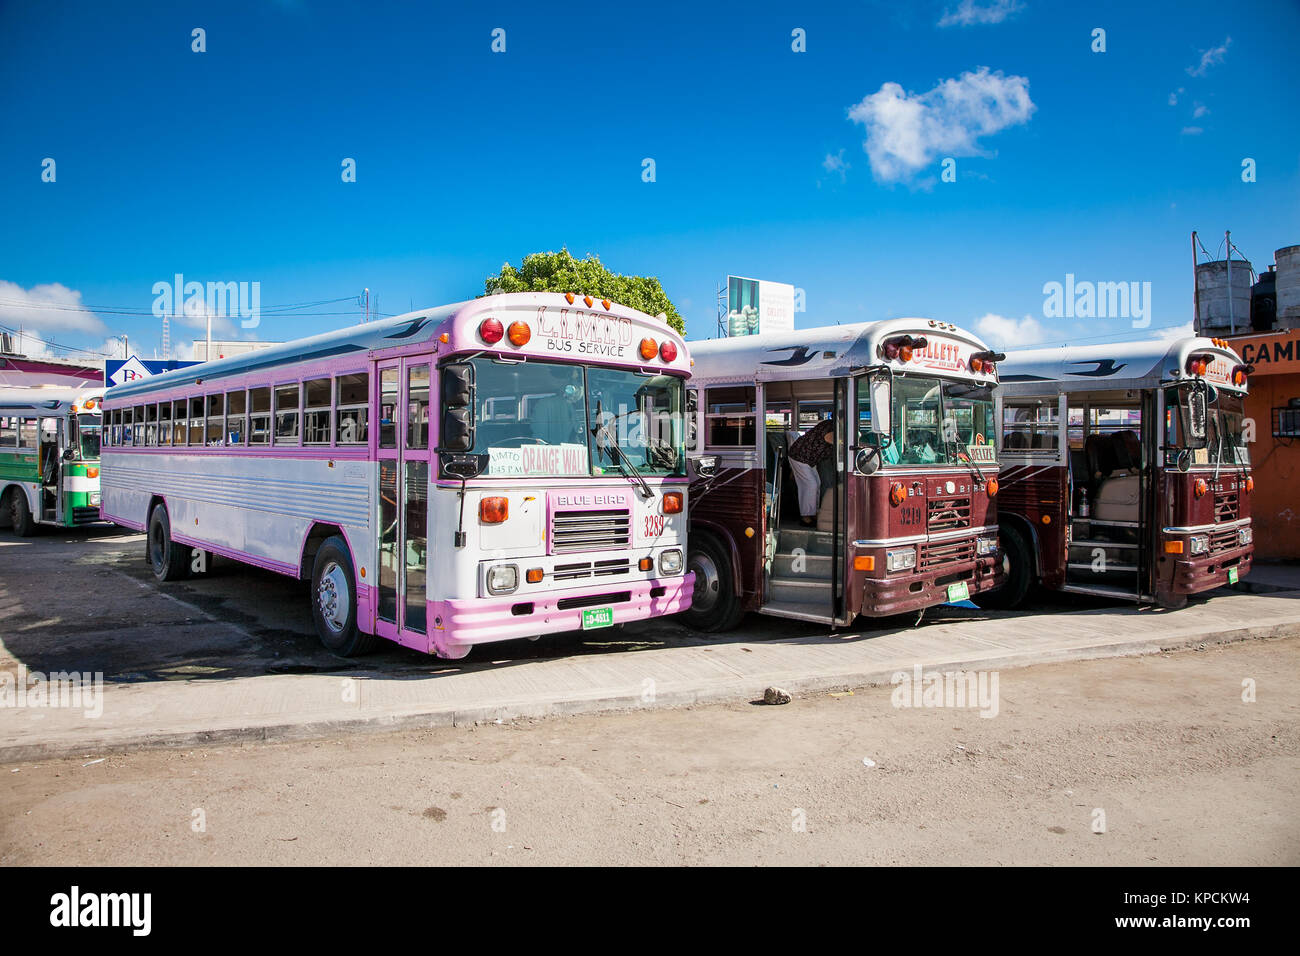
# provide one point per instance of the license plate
(958, 592)
(597, 617)
(1232, 575)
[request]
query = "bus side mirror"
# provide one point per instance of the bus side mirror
(1197, 415)
(880, 404)
(457, 384)
(457, 433)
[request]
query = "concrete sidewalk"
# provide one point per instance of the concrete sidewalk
(288, 706)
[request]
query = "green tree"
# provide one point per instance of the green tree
(560, 272)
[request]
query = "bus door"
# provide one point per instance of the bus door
(50, 461)
(401, 394)
(1107, 507)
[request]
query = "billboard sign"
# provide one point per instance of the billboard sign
(121, 371)
(755, 306)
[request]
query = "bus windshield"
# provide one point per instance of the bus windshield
(934, 420)
(536, 418)
(1225, 429)
(89, 432)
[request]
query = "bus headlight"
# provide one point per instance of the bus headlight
(1198, 544)
(1245, 536)
(502, 579)
(900, 559)
(670, 562)
(94, 497)
(985, 546)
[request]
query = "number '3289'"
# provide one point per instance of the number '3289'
(654, 525)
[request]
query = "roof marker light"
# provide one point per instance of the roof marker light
(491, 331)
(668, 351)
(649, 348)
(519, 333)
(606, 303)
(569, 297)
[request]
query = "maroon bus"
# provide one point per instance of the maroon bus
(1125, 470)
(900, 510)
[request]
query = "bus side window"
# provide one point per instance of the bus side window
(8, 432)
(27, 434)
(151, 425)
(692, 424)
(137, 426)
(216, 419)
(353, 402)
(164, 423)
(729, 417)
(287, 407)
(316, 414)
(180, 423)
(388, 408)
(236, 412)
(259, 416)
(1030, 428)
(196, 421)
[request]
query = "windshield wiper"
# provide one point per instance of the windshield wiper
(629, 470)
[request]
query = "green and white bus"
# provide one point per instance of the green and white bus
(49, 457)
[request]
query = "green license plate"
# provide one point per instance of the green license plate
(597, 617)
(1232, 575)
(958, 592)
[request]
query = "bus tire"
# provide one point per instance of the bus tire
(170, 561)
(1018, 566)
(20, 516)
(334, 601)
(715, 605)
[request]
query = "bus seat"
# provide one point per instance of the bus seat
(1117, 499)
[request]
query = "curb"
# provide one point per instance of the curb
(728, 690)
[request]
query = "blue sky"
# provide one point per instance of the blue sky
(225, 165)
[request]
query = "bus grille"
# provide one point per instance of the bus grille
(1223, 540)
(946, 553)
(590, 530)
(947, 514)
(587, 569)
(1225, 506)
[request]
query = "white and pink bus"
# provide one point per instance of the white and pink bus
(506, 467)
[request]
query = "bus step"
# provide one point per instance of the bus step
(808, 540)
(800, 590)
(799, 611)
(1099, 543)
(790, 564)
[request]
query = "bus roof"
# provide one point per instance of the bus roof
(833, 351)
(608, 333)
(41, 399)
(1118, 365)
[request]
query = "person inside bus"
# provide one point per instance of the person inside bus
(557, 419)
(807, 452)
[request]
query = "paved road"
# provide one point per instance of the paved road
(1181, 768)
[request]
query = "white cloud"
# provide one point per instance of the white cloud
(1186, 330)
(1210, 57)
(1002, 332)
(52, 307)
(906, 131)
(1173, 97)
(1200, 110)
(835, 163)
(1192, 131)
(972, 12)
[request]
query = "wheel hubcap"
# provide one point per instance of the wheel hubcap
(707, 583)
(332, 598)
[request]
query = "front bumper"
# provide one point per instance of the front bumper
(901, 593)
(459, 624)
(1210, 571)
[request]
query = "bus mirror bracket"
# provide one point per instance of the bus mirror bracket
(706, 466)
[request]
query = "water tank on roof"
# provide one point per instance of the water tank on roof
(1263, 302)
(1220, 310)
(1288, 287)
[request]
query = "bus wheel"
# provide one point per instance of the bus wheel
(169, 560)
(1017, 566)
(715, 606)
(334, 601)
(20, 516)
